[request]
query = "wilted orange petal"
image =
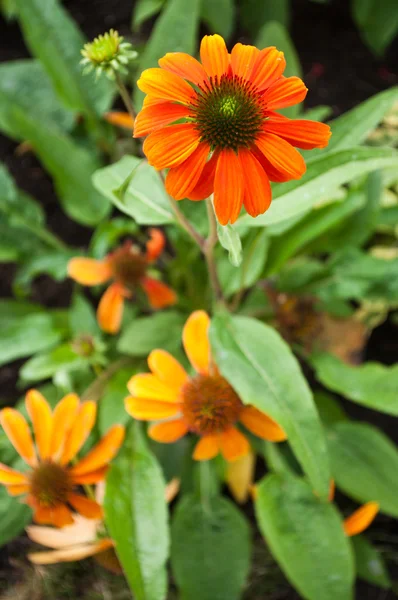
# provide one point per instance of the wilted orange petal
(40, 414)
(361, 519)
(166, 85)
(214, 55)
(72, 554)
(155, 244)
(285, 159)
(102, 453)
(159, 294)
(172, 489)
(144, 409)
(80, 531)
(240, 474)
(17, 431)
(79, 432)
(167, 369)
(110, 309)
(195, 338)
(182, 179)
(205, 186)
(257, 195)
(170, 146)
(9, 476)
(152, 117)
(85, 506)
(262, 425)
(269, 66)
(284, 92)
(168, 432)
(233, 444)
(208, 447)
(184, 66)
(228, 187)
(63, 418)
(243, 59)
(146, 385)
(300, 133)
(120, 119)
(89, 271)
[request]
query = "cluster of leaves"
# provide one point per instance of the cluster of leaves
(320, 260)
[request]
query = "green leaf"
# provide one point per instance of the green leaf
(210, 552)
(14, 515)
(369, 563)
(28, 335)
(144, 10)
(230, 240)
(365, 464)
(44, 366)
(256, 13)
(136, 516)
(377, 21)
(160, 330)
(329, 408)
(52, 36)
(306, 537)
(107, 235)
(372, 384)
(324, 174)
(111, 408)
(11, 311)
(219, 16)
(82, 317)
(255, 360)
(175, 30)
(53, 263)
(144, 199)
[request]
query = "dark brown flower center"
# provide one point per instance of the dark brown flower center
(129, 265)
(50, 484)
(210, 404)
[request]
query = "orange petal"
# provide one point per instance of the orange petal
(228, 187)
(92, 477)
(150, 410)
(243, 59)
(43, 516)
(17, 431)
(208, 447)
(72, 554)
(262, 425)
(151, 101)
(63, 418)
(146, 385)
(272, 173)
(9, 476)
(166, 368)
(18, 490)
(181, 180)
(79, 432)
(205, 186)
(184, 66)
(284, 92)
(61, 516)
(40, 414)
(332, 490)
(240, 475)
(257, 195)
(195, 338)
(85, 506)
(155, 244)
(284, 158)
(153, 117)
(110, 309)
(214, 55)
(361, 519)
(89, 271)
(170, 146)
(269, 66)
(233, 444)
(102, 453)
(300, 133)
(159, 294)
(168, 432)
(120, 119)
(166, 85)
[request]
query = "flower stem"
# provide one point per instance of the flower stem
(125, 95)
(208, 251)
(185, 224)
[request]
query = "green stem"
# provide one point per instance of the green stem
(125, 95)
(47, 237)
(208, 251)
(94, 390)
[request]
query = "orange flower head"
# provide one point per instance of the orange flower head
(127, 267)
(49, 486)
(214, 125)
(204, 404)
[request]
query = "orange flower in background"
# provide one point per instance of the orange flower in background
(360, 519)
(127, 266)
(49, 485)
(205, 404)
(228, 140)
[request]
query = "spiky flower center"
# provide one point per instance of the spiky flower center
(50, 484)
(228, 113)
(210, 404)
(103, 48)
(129, 265)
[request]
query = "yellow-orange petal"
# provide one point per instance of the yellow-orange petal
(146, 385)
(120, 119)
(240, 476)
(195, 338)
(18, 490)
(168, 431)
(300, 133)
(144, 409)
(205, 186)
(17, 431)
(40, 414)
(10, 476)
(158, 293)
(102, 453)
(71, 554)
(284, 92)
(283, 157)
(63, 418)
(166, 368)
(233, 444)
(262, 425)
(361, 519)
(85, 506)
(110, 309)
(170, 146)
(89, 271)
(228, 187)
(151, 101)
(181, 180)
(166, 85)
(91, 477)
(155, 244)
(214, 55)
(61, 516)
(243, 59)
(79, 432)
(269, 67)
(42, 515)
(153, 117)
(257, 189)
(184, 66)
(207, 447)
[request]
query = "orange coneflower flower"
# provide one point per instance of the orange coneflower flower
(127, 266)
(360, 519)
(49, 485)
(205, 404)
(225, 109)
